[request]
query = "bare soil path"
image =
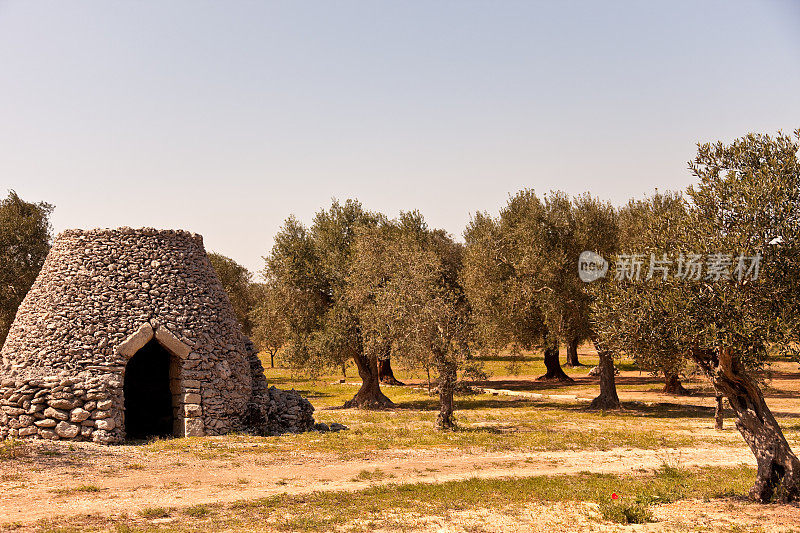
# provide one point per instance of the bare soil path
(128, 479)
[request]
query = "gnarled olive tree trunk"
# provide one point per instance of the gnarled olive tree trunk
(608, 398)
(673, 385)
(553, 365)
(369, 396)
(447, 383)
(572, 353)
(778, 468)
(385, 372)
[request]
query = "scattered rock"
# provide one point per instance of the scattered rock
(595, 371)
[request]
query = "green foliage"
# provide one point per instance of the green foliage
(269, 319)
(81, 489)
(306, 273)
(404, 284)
(24, 242)
(626, 512)
(632, 316)
(520, 270)
(197, 511)
(12, 449)
(154, 512)
(746, 202)
(236, 280)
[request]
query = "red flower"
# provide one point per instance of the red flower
(614, 496)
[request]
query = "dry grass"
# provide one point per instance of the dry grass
(327, 511)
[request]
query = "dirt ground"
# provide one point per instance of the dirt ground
(163, 483)
(685, 516)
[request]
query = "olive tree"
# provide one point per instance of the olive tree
(744, 218)
(269, 320)
(521, 272)
(237, 281)
(648, 229)
(310, 270)
(747, 201)
(404, 282)
(25, 234)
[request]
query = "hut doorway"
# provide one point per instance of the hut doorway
(148, 399)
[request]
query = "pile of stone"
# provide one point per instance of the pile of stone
(288, 412)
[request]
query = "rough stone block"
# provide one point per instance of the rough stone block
(106, 423)
(79, 415)
(193, 427)
(192, 410)
(28, 431)
(104, 404)
(48, 434)
(58, 414)
(67, 431)
(192, 397)
(61, 403)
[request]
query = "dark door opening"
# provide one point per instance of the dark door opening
(148, 400)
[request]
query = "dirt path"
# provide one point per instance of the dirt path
(130, 479)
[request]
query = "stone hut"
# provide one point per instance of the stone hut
(128, 333)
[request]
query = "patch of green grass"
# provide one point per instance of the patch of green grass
(50, 453)
(486, 423)
(371, 475)
(154, 512)
(626, 512)
(12, 449)
(197, 511)
(81, 489)
(337, 510)
(637, 493)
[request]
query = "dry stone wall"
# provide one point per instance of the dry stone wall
(101, 296)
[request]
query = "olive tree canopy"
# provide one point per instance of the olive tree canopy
(404, 282)
(25, 234)
(521, 272)
(743, 220)
(236, 280)
(309, 269)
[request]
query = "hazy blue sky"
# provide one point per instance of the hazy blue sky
(225, 117)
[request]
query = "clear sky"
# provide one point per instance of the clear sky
(226, 117)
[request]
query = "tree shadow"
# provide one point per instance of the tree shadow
(467, 403)
(508, 358)
(533, 385)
